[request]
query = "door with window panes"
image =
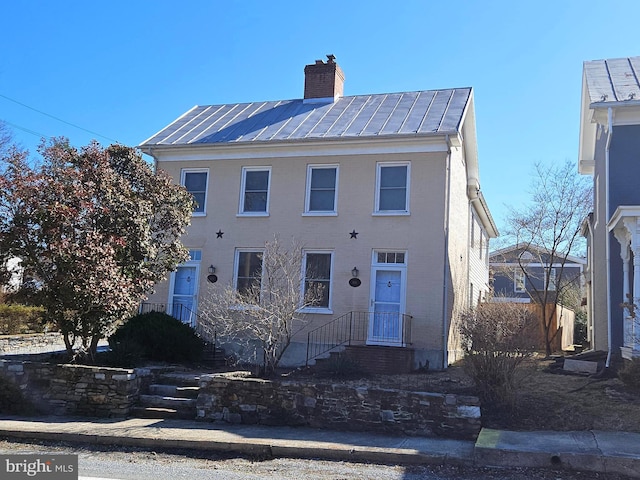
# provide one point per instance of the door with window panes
(183, 302)
(387, 306)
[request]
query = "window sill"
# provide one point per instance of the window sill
(199, 214)
(320, 214)
(253, 214)
(391, 214)
(322, 311)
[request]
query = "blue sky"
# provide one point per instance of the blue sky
(125, 69)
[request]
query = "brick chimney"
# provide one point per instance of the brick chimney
(323, 80)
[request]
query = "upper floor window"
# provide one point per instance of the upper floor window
(248, 273)
(552, 280)
(392, 188)
(254, 196)
(317, 279)
(519, 281)
(322, 189)
(195, 181)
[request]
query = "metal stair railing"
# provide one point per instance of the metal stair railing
(353, 328)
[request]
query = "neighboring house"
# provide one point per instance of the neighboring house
(524, 274)
(384, 187)
(609, 152)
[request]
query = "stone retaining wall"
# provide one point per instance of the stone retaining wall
(31, 343)
(234, 399)
(74, 389)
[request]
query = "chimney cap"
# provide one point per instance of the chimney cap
(331, 58)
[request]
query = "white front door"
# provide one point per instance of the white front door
(387, 306)
(183, 299)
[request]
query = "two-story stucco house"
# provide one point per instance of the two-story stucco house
(382, 186)
(609, 152)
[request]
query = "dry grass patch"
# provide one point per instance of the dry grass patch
(544, 400)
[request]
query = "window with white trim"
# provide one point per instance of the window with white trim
(254, 196)
(317, 279)
(195, 181)
(248, 270)
(392, 188)
(519, 281)
(389, 257)
(322, 189)
(552, 280)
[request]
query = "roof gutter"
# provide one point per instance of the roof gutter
(607, 239)
(445, 272)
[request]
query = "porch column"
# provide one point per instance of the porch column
(623, 235)
(632, 328)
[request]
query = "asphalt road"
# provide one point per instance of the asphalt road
(102, 462)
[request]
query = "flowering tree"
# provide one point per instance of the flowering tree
(95, 229)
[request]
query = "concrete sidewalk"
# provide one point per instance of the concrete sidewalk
(607, 452)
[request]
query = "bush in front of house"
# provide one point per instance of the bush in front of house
(12, 401)
(155, 336)
(496, 343)
(17, 319)
(629, 374)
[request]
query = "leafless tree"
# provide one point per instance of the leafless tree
(496, 340)
(268, 311)
(549, 227)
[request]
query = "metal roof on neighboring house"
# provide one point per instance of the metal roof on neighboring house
(613, 80)
(407, 113)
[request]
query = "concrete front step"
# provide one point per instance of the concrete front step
(166, 413)
(180, 379)
(167, 402)
(174, 391)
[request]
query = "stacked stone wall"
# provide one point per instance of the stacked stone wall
(229, 398)
(74, 389)
(30, 343)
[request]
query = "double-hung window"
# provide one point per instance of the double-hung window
(322, 190)
(248, 272)
(317, 280)
(254, 196)
(195, 181)
(519, 281)
(553, 282)
(392, 188)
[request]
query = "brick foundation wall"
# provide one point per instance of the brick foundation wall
(237, 399)
(74, 389)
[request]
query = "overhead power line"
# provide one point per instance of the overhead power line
(32, 132)
(55, 118)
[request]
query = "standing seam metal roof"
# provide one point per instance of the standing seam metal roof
(613, 80)
(405, 113)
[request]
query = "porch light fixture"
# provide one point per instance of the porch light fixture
(212, 277)
(354, 281)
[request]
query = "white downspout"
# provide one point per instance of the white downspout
(445, 283)
(606, 173)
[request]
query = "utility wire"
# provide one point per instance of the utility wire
(32, 132)
(55, 118)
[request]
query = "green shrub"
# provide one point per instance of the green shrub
(156, 336)
(16, 319)
(629, 374)
(12, 401)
